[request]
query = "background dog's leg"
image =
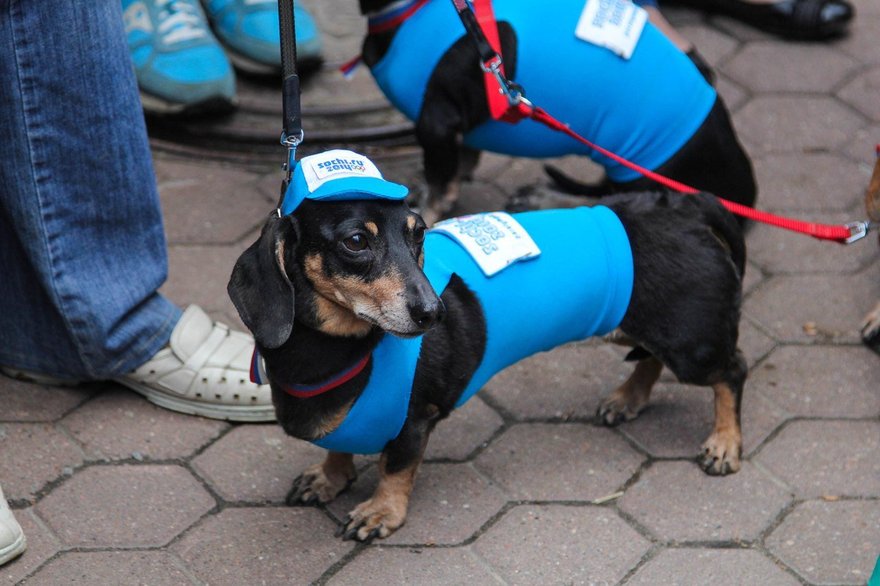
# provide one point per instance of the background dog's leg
(628, 399)
(722, 450)
(437, 131)
(871, 329)
(468, 159)
(322, 482)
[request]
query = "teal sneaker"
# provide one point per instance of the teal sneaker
(180, 65)
(249, 30)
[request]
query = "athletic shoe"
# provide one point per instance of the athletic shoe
(180, 65)
(12, 540)
(249, 30)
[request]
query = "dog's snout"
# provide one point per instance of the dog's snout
(425, 315)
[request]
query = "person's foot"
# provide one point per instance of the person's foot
(249, 29)
(12, 540)
(180, 65)
(204, 370)
(794, 19)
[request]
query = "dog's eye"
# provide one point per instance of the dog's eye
(419, 234)
(355, 243)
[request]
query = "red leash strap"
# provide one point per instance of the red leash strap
(507, 103)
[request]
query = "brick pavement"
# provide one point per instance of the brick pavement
(112, 490)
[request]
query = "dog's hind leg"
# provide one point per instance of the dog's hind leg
(871, 329)
(321, 483)
(629, 398)
(722, 450)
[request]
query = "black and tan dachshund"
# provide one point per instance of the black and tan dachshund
(323, 286)
(632, 108)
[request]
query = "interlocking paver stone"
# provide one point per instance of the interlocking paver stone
(33, 455)
(463, 432)
(821, 381)
(29, 402)
(795, 123)
(561, 545)
(256, 463)
(814, 309)
(718, 567)
(41, 545)
(213, 205)
(774, 67)
(830, 542)
(381, 566)
(266, 545)
(817, 458)
(198, 274)
(564, 383)
(449, 504)
(121, 424)
(862, 93)
(678, 502)
(119, 568)
(809, 184)
(566, 462)
(125, 506)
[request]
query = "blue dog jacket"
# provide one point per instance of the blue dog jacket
(643, 109)
(577, 287)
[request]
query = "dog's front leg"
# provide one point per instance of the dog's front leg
(321, 482)
(385, 512)
(437, 131)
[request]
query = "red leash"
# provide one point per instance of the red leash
(507, 103)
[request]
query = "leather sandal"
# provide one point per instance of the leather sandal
(793, 19)
(12, 540)
(204, 370)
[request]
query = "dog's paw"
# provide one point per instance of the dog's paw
(871, 329)
(316, 485)
(375, 517)
(615, 409)
(721, 453)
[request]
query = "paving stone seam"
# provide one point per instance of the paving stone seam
(798, 418)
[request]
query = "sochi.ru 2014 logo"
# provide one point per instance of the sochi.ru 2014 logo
(355, 165)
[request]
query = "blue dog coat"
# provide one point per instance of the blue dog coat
(643, 109)
(577, 287)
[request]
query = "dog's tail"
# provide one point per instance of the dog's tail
(570, 185)
(725, 227)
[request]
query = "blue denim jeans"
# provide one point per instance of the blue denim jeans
(82, 246)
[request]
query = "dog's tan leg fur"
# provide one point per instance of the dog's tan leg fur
(629, 398)
(721, 451)
(385, 512)
(324, 481)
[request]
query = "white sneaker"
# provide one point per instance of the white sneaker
(12, 541)
(204, 370)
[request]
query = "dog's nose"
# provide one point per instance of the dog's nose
(425, 315)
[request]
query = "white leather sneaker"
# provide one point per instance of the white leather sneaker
(12, 540)
(204, 370)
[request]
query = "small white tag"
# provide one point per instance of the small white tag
(495, 240)
(336, 164)
(614, 24)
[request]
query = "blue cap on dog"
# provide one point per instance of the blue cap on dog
(338, 175)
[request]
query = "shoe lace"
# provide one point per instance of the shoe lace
(179, 21)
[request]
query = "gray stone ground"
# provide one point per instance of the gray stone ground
(112, 490)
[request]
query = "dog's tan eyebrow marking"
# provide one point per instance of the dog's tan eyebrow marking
(372, 228)
(411, 222)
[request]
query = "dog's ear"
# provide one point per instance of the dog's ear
(259, 286)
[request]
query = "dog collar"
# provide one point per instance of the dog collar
(258, 376)
(393, 15)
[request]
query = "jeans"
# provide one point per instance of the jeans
(82, 246)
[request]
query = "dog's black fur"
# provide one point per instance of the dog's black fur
(320, 287)
(712, 160)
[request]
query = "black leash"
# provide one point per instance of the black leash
(292, 132)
